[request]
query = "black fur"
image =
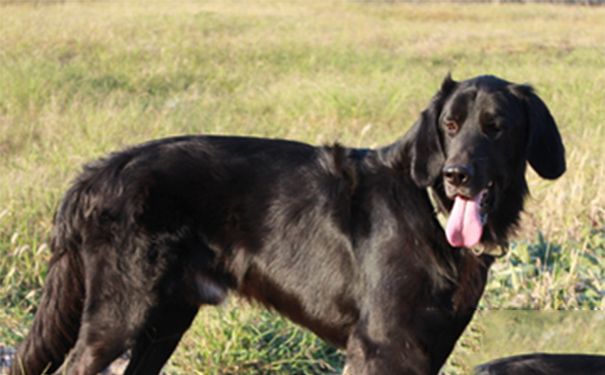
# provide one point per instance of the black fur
(545, 364)
(342, 241)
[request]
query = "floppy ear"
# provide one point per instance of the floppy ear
(545, 150)
(427, 150)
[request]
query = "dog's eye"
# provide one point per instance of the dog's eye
(451, 126)
(491, 129)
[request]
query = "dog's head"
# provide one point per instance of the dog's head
(472, 143)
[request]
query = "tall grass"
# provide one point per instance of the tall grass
(81, 79)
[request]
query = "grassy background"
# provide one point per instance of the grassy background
(81, 79)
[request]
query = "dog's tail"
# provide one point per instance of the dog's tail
(57, 321)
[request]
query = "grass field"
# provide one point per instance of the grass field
(80, 79)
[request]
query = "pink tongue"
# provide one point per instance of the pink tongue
(464, 226)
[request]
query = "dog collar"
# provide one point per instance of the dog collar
(495, 250)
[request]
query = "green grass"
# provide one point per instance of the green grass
(239, 339)
(498, 333)
(81, 79)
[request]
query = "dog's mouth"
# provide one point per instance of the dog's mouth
(468, 217)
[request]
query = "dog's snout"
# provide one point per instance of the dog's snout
(458, 175)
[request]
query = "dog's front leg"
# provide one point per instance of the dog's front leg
(378, 348)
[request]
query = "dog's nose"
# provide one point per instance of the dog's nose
(458, 175)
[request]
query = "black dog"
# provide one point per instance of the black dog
(545, 364)
(342, 241)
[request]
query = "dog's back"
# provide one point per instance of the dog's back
(545, 364)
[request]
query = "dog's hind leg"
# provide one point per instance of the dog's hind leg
(116, 309)
(168, 321)
(98, 344)
(166, 326)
